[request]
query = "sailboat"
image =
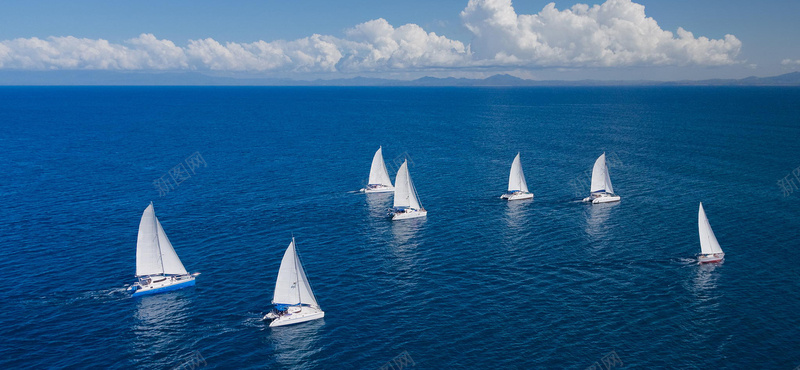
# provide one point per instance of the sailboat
(517, 187)
(158, 267)
(709, 246)
(379, 181)
(406, 202)
(601, 191)
(293, 299)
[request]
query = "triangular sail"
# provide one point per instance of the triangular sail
(172, 264)
(292, 285)
(609, 188)
(306, 294)
(148, 256)
(516, 179)
(404, 193)
(413, 198)
(154, 252)
(378, 175)
(601, 182)
(708, 241)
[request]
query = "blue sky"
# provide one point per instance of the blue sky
(613, 39)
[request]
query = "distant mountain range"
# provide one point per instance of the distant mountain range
(59, 78)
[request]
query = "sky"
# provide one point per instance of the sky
(310, 39)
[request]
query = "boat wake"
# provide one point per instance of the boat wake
(67, 297)
(687, 261)
(113, 294)
(254, 319)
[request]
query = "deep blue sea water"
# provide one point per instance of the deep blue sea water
(480, 283)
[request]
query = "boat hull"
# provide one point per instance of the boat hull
(609, 199)
(164, 286)
(602, 198)
(305, 314)
(711, 258)
(517, 196)
(408, 215)
(384, 189)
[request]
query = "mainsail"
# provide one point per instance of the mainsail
(154, 253)
(404, 193)
(601, 181)
(292, 287)
(516, 179)
(378, 175)
(708, 241)
(148, 255)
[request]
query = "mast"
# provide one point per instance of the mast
(297, 273)
(158, 243)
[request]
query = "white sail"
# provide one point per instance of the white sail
(292, 285)
(154, 253)
(378, 173)
(413, 198)
(172, 264)
(609, 188)
(708, 241)
(404, 193)
(516, 179)
(601, 181)
(148, 255)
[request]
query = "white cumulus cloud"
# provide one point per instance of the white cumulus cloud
(370, 46)
(785, 62)
(152, 53)
(615, 33)
(376, 44)
(311, 54)
(144, 52)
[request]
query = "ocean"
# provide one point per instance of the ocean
(551, 283)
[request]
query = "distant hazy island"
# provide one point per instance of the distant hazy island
(108, 78)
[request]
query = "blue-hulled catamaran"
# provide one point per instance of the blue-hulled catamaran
(158, 268)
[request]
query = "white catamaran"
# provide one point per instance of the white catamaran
(601, 191)
(293, 299)
(379, 181)
(158, 267)
(406, 202)
(709, 246)
(517, 187)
